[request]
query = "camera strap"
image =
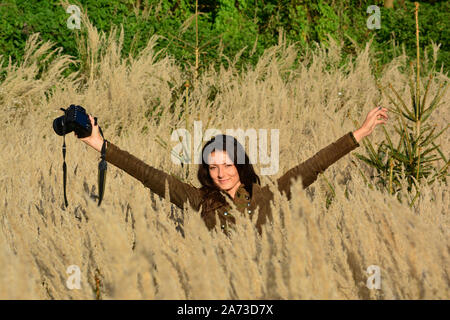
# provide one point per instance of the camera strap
(64, 167)
(102, 167)
(64, 159)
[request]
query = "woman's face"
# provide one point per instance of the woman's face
(223, 172)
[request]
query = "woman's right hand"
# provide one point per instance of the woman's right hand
(95, 140)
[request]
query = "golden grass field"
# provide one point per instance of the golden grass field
(129, 248)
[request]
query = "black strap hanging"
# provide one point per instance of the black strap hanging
(64, 169)
(102, 167)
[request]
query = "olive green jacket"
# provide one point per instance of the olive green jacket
(212, 201)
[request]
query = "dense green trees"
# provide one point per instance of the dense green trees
(227, 26)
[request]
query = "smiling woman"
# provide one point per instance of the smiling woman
(226, 172)
(225, 165)
(223, 172)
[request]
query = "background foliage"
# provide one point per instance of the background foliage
(227, 26)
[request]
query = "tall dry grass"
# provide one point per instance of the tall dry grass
(129, 247)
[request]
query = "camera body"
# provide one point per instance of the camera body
(75, 119)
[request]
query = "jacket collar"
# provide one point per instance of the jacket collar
(241, 190)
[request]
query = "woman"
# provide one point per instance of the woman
(222, 176)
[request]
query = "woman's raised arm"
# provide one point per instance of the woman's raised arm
(152, 178)
(318, 163)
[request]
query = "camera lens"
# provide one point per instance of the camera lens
(58, 126)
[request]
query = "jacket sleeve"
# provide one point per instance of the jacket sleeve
(154, 179)
(318, 163)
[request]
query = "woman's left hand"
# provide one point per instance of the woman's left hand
(374, 117)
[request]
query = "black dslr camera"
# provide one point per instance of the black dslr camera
(75, 119)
